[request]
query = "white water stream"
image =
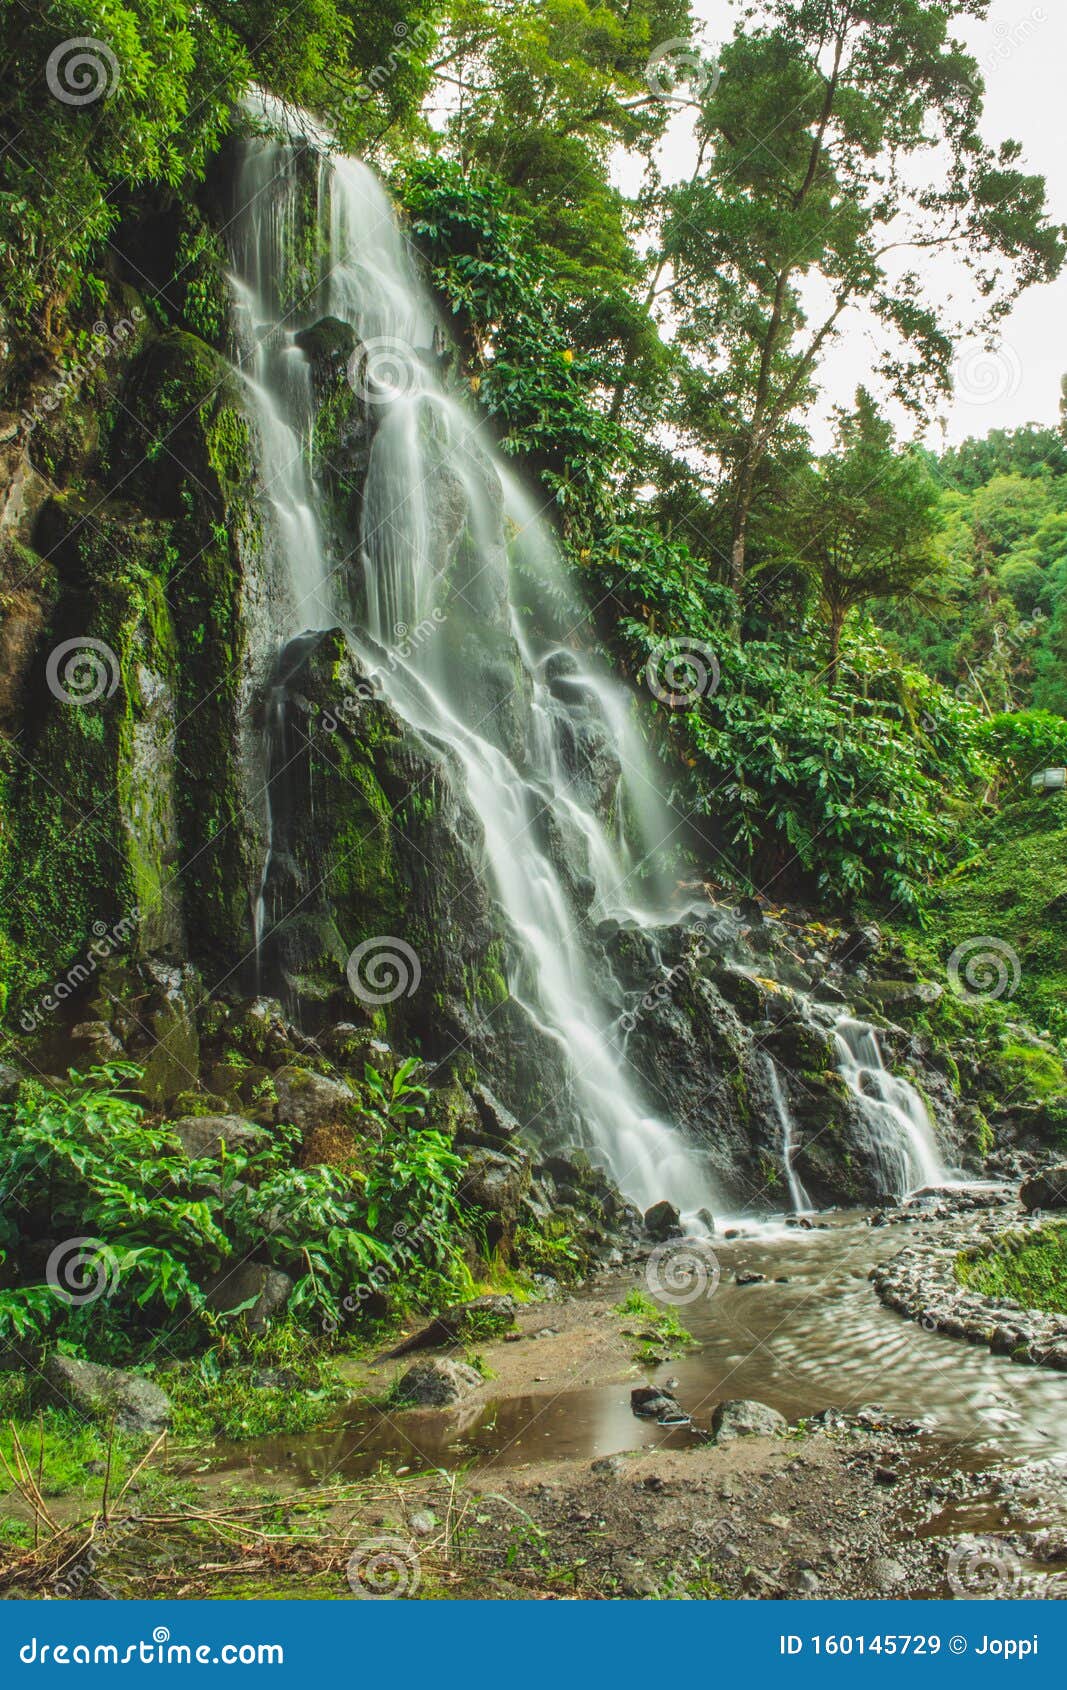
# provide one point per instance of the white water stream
(429, 460)
(901, 1138)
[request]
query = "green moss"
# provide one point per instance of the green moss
(1027, 1071)
(1024, 1267)
(1013, 889)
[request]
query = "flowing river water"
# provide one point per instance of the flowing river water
(812, 1336)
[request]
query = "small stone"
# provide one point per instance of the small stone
(745, 1418)
(423, 1522)
(608, 1464)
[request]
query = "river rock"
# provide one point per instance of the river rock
(1046, 1190)
(743, 1417)
(204, 1135)
(648, 1402)
(435, 1383)
(136, 1404)
(663, 1221)
(267, 1289)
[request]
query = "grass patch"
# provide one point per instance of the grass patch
(69, 1452)
(248, 1386)
(1024, 1267)
(661, 1333)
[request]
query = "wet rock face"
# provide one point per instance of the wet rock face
(268, 1290)
(663, 1221)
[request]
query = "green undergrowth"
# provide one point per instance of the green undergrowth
(153, 1227)
(1012, 889)
(1023, 1267)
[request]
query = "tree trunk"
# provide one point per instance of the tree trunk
(837, 622)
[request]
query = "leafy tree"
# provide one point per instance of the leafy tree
(864, 520)
(540, 95)
(842, 135)
(147, 103)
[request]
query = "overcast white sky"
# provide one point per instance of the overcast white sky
(1021, 50)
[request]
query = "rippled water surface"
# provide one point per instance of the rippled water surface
(813, 1335)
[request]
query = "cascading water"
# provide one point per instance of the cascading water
(901, 1138)
(498, 686)
(798, 1197)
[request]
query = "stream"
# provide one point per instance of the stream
(812, 1336)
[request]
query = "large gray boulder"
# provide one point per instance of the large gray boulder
(268, 1290)
(311, 1100)
(136, 1404)
(203, 1135)
(436, 1383)
(742, 1417)
(495, 1182)
(1046, 1190)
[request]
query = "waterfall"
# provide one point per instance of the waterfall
(900, 1133)
(798, 1197)
(501, 685)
